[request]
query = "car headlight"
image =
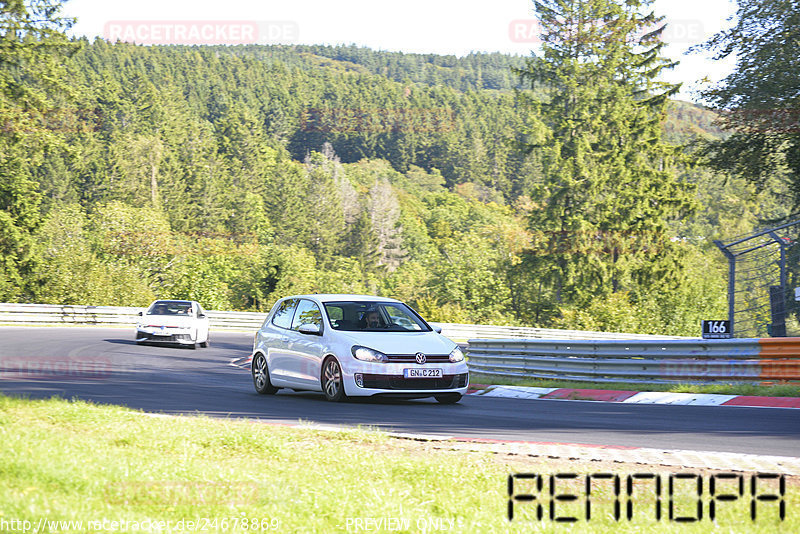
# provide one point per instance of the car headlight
(366, 354)
(456, 356)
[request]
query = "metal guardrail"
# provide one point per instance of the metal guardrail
(657, 361)
(51, 314)
(536, 353)
(464, 332)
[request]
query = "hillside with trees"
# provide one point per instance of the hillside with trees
(488, 188)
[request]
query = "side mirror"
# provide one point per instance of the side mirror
(309, 329)
(201, 315)
(437, 328)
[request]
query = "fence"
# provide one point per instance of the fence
(657, 361)
(49, 314)
(759, 295)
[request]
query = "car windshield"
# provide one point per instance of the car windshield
(170, 308)
(358, 316)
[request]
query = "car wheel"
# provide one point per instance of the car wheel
(331, 380)
(204, 344)
(260, 374)
(448, 398)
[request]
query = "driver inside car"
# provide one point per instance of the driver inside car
(372, 320)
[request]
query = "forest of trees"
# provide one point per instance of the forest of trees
(488, 188)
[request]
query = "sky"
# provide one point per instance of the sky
(420, 26)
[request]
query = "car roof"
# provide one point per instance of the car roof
(174, 301)
(337, 297)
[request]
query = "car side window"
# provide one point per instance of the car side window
(283, 315)
(307, 313)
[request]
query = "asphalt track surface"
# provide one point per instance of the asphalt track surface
(105, 366)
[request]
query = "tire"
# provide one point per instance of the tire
(331, 380)
(260, 374)
(448, 398)
(204, 344)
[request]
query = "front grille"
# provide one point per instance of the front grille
(411, 358)
(164, 339)
(398, 382)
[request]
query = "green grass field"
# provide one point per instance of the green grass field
(75, 461)
(776, 390)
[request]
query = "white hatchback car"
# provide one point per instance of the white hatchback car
(355, 345)
(175, 322)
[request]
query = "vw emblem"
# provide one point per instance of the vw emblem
(420, 357)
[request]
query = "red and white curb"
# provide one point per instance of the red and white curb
(634, 397)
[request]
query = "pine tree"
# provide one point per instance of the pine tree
(607, 188)
(31, 43)
(363, 245)
(325, 223)
(384, 213)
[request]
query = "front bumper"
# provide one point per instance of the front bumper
(150, 337)
(399, 383)
(382, 379)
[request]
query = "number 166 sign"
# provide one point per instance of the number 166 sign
(716, 329)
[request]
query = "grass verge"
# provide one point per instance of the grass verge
(65, 461)
(775, 390)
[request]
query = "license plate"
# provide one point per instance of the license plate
(422, 373)
(161, 332)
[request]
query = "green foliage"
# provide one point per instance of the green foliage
(469, 277)
(678, 310)
(14, 251)
(71, 272)
(31, 43)
(609, 185)
(238, 175)
(614, 313)
(759, 101)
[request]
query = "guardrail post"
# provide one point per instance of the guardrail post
(731, 283)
